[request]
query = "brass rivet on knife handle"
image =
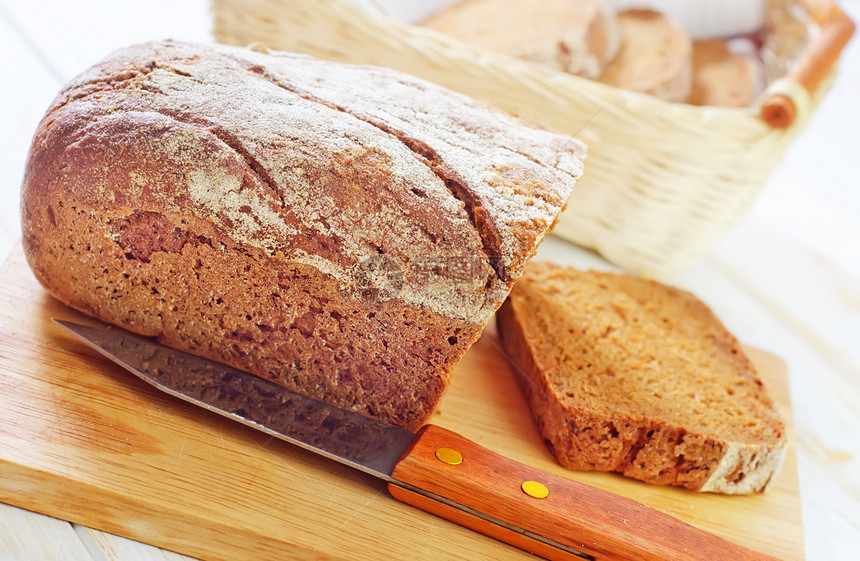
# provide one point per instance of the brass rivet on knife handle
(577, 522)
(449, 456)
(535, 489)
(581, 522)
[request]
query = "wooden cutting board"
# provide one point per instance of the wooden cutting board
(83, 440)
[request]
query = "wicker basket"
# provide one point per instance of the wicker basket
(662, 181)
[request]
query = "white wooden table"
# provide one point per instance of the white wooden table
(786, 280)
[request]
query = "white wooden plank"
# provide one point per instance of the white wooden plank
(74, 35)
(27, 536)
(116, 548)
(44, 43)
(26, 93)
(822, 364)
(814, 196)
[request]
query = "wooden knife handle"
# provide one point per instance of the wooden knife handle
(458, 480)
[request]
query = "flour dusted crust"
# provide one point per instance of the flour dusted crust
(344, 231)
(576, 36)
(629, 375)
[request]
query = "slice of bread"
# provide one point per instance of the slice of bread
(629, 375)
(721, 77)
(654, 59)
(576, 36)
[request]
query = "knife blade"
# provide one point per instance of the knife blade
(434, 469)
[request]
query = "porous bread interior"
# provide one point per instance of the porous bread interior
(631, 375)
(193, 288)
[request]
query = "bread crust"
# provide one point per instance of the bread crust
(655, 57)
(344, 231)
(598, 411)
(722, 78)
(579, 37)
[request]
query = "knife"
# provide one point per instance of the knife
(434, 469)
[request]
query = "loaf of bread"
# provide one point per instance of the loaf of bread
(344, 231)
(576, 36)
(654, 59)
(722, 78)
(629, 375)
